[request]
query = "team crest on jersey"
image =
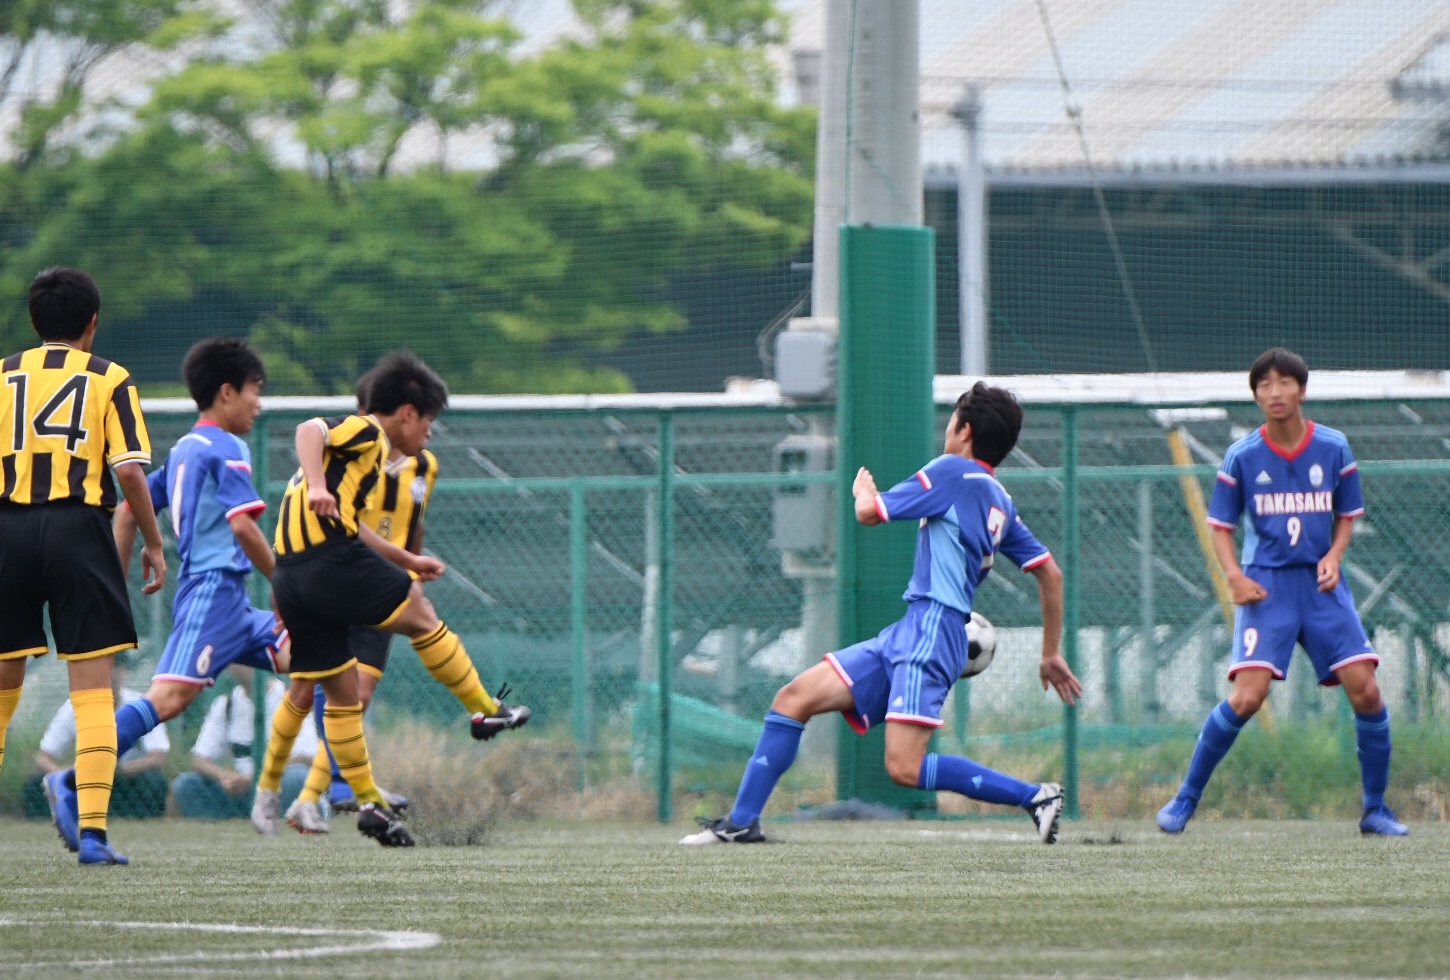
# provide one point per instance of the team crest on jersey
(1316, 475)
(419, 489)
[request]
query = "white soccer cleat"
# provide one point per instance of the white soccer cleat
(722, 831)
(306, 817)
(266, 812)
(1045, 808)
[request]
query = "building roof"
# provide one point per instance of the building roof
(1183, 86)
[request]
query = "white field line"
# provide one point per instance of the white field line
(360, 941)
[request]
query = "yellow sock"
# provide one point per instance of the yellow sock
(9, 699)
(442, 653)
(344, 728)
(286, 723)
(95, 754)
(319, 776)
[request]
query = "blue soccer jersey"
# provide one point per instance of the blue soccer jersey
(206, 481)
(1292, 498)
(966, 517)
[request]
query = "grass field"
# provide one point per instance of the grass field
(898, 899)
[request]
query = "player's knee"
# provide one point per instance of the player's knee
(903, 768)
(170, 700)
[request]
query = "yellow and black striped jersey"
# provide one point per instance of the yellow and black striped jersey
(397, 510)
(66, 417)
(352, 464)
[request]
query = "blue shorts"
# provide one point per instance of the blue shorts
(1325, 624)
(905, 672)
(214, 624)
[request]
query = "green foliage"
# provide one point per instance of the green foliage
(305, 179)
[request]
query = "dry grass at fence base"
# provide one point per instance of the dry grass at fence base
(460, 789)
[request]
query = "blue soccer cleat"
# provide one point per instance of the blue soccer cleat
(93, 850)
(1380, 821)
(64, 812)
(1176, 814)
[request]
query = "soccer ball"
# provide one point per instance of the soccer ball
(981, 645)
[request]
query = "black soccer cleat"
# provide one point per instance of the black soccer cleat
(383, 825)
(722, 831)
(485, 727)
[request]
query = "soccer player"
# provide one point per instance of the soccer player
(333, 573)
(903, 675)
(206, 485)
(1298, 482)
(396, 514)
(67, 419)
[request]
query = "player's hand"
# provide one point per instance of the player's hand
(1328, 574)
(864, 483)
(427, 568)
(153, 569)
(322, 503)
(1245, 591)
(1056, 674)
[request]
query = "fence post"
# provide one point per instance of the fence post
(578, 570)
(1071, 593)
(664, 541)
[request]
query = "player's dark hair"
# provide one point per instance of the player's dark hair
(217, 361)
(363, 384)
(1286, 362)
(62, 302)
(996, 419)
(401, 378)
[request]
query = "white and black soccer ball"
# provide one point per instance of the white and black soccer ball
(981, 645)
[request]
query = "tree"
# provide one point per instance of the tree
(360, 174)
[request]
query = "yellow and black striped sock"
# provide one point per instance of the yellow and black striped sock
(344, 727)
(95, 754)
(286, 723)
(443, 655)
(9, 700)
(319, 775)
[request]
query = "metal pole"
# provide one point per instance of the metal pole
(1072, 596)
(972, 236)
(578, 570)
(663, 624)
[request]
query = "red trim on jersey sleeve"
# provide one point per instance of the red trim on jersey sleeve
(1215, 522)
(255, 507)
(1028, 566)
(1349, 469)
(923, 479)
(881, 510)
(1225, 478)
(1350, 514)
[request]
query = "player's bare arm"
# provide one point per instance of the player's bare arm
(132, 479)
(253, 542)
(865, 492)
(1243, 590)
(1053, 670)
(426, 567)
(310, 442)
(1334, 557)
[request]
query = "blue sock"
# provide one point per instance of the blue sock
(773, 755)
(1214, 741)
(134, 720)
(1372, 732)
(962, 775)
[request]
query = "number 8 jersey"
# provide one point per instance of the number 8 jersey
(1292, 498)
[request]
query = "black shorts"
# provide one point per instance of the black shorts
(62, 554)
(324, 591)
(370, 646)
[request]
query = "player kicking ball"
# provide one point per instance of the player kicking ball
(902, 677)
(334, 573)
(1298, 482)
